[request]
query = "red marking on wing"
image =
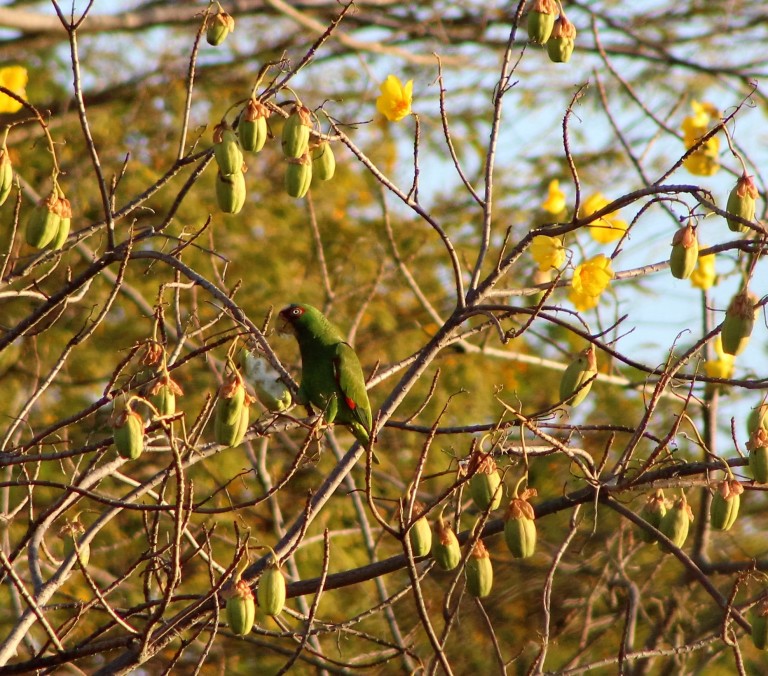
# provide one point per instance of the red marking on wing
(350, 403)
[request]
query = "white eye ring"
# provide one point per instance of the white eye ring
(296, 311)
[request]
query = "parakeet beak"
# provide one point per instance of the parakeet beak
(284, 327)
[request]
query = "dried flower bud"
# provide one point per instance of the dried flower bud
(70, 534)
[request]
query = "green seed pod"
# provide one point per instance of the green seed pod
(6, 175)
(220, 25)
(739, 322)
(241, 609)
(272, 391)
(479, 571)
(420, 535)
(232, 397)
(676, 522)
(741, 202)
(485, 482)
(230, 192)
(164, 393)
(226, 150)
(520, 527)
(44, 222)
(685, 252)
(231, 434)
(562, 40)
(758, 455)
(653, 512)
(298, 176)
(295, 137)
(725, 505)
(323, 162)
(128, 430)
(271, 590)
(758, 417)
(541, 20)
(573, 389)
(252, 130)
(445, 549)
(759, 618)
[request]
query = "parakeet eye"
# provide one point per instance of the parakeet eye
(296, 311)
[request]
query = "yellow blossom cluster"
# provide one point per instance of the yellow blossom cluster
(722, 366)
(704, 275)
(555, 202)
(590, 279)
(704, 161)
(548, 252)
(395, 100)
(606, 229)
(15, 79)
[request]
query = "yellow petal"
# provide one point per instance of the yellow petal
(555, 202)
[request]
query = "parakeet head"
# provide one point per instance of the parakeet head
(305, 321)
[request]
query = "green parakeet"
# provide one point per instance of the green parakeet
(332, 379)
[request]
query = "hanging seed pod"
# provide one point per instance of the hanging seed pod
(725, 504)
(230, 192)
(6, 175)
(64, 210)
(44, 222)
(741, 202)
(739, 322)
(220, 25)
(653, 512)
(231, 434)
(445, 549)
(241, 608)
(479, 571)
(272, 391)
(163, 393)
(128, 430)
(676, 522)
(252, 130)
(562, 40)
(323, 162)
(758, 417)
(485, 482)
(298, 176)
(685, 252)
(541, 20)
(70, 533)
(420, 534)
(271, 590)
(519, 525)
(226, 150)
(577, 379)
(759, 620)
(295, 137)
(758, 455)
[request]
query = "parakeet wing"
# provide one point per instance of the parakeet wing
(351, 381)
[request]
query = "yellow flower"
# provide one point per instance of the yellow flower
(395, 100)
(722, 367)
(592, 276)
(14, 78)
(555, 202)
(704, 275)
(548, 252)
(582, 301)
(589, 280)
(605, 229)
(703, 162)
